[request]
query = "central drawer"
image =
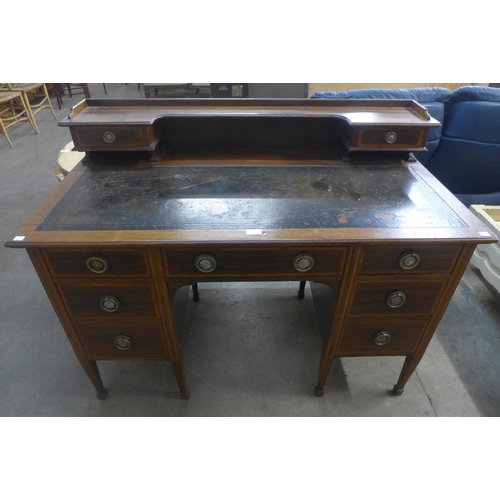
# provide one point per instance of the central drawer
(296, 262)
(109, 300)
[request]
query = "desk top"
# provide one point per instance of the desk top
(260, 204)
(237, 198)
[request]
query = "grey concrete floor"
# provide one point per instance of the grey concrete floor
(250, 349)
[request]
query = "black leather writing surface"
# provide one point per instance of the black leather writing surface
(277, 197)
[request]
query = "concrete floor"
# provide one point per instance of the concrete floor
(250, 349)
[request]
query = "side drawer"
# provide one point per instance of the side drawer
(97, 263)
(391, 138)
(108, 300)
(406, 297)
(386, 337)
(114, 137)
(378, 259)
(278, 262)
(140, 340)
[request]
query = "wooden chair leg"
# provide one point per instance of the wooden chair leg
(4, 131)
(29, 112)
(46, 93)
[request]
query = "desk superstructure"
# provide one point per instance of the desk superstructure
(172, 193)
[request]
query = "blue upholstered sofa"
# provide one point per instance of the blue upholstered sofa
(464, 154)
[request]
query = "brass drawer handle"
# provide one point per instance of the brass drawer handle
(303, 262)
(122, 342)
(97, 264)
(395, 299)
(409, 260)
(381, 338)
(391, 137)
(109, 137)
(205, 263)
(109, 303)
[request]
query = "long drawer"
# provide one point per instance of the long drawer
(298, 262)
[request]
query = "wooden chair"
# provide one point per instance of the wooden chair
(13, 110)
(36, 98)
(73, 89)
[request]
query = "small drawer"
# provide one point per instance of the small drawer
(396, 297)
(141, 340)
(411, 259)
(114, 138)
(97, 263)
(387, 337)
(299, 263)
(391, 138)
(110, 301)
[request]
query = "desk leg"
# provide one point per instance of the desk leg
(324, 369)
(173, 310)
(180, 377)
(196, 293)
(302, 288)
(409, 366)
(93, 374)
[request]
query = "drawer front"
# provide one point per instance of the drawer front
(141, 340)
(391, 137)
(379, 259)
(113, 138)
(406, 298)
(97, 263)
(110, 301)
(390, 337)
(258, 263)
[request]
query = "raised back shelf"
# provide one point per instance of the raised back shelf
(247, 126)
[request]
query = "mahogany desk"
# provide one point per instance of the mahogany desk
(173, 194)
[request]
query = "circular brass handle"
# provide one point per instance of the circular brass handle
(381, 338)
(122, 342)
(97, 264)
(395, 299)
(109, 303)
(205, 263)
(109, 137)
(391, 137)
(303, 262)
(409, 260)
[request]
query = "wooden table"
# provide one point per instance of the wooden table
(319, 191)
